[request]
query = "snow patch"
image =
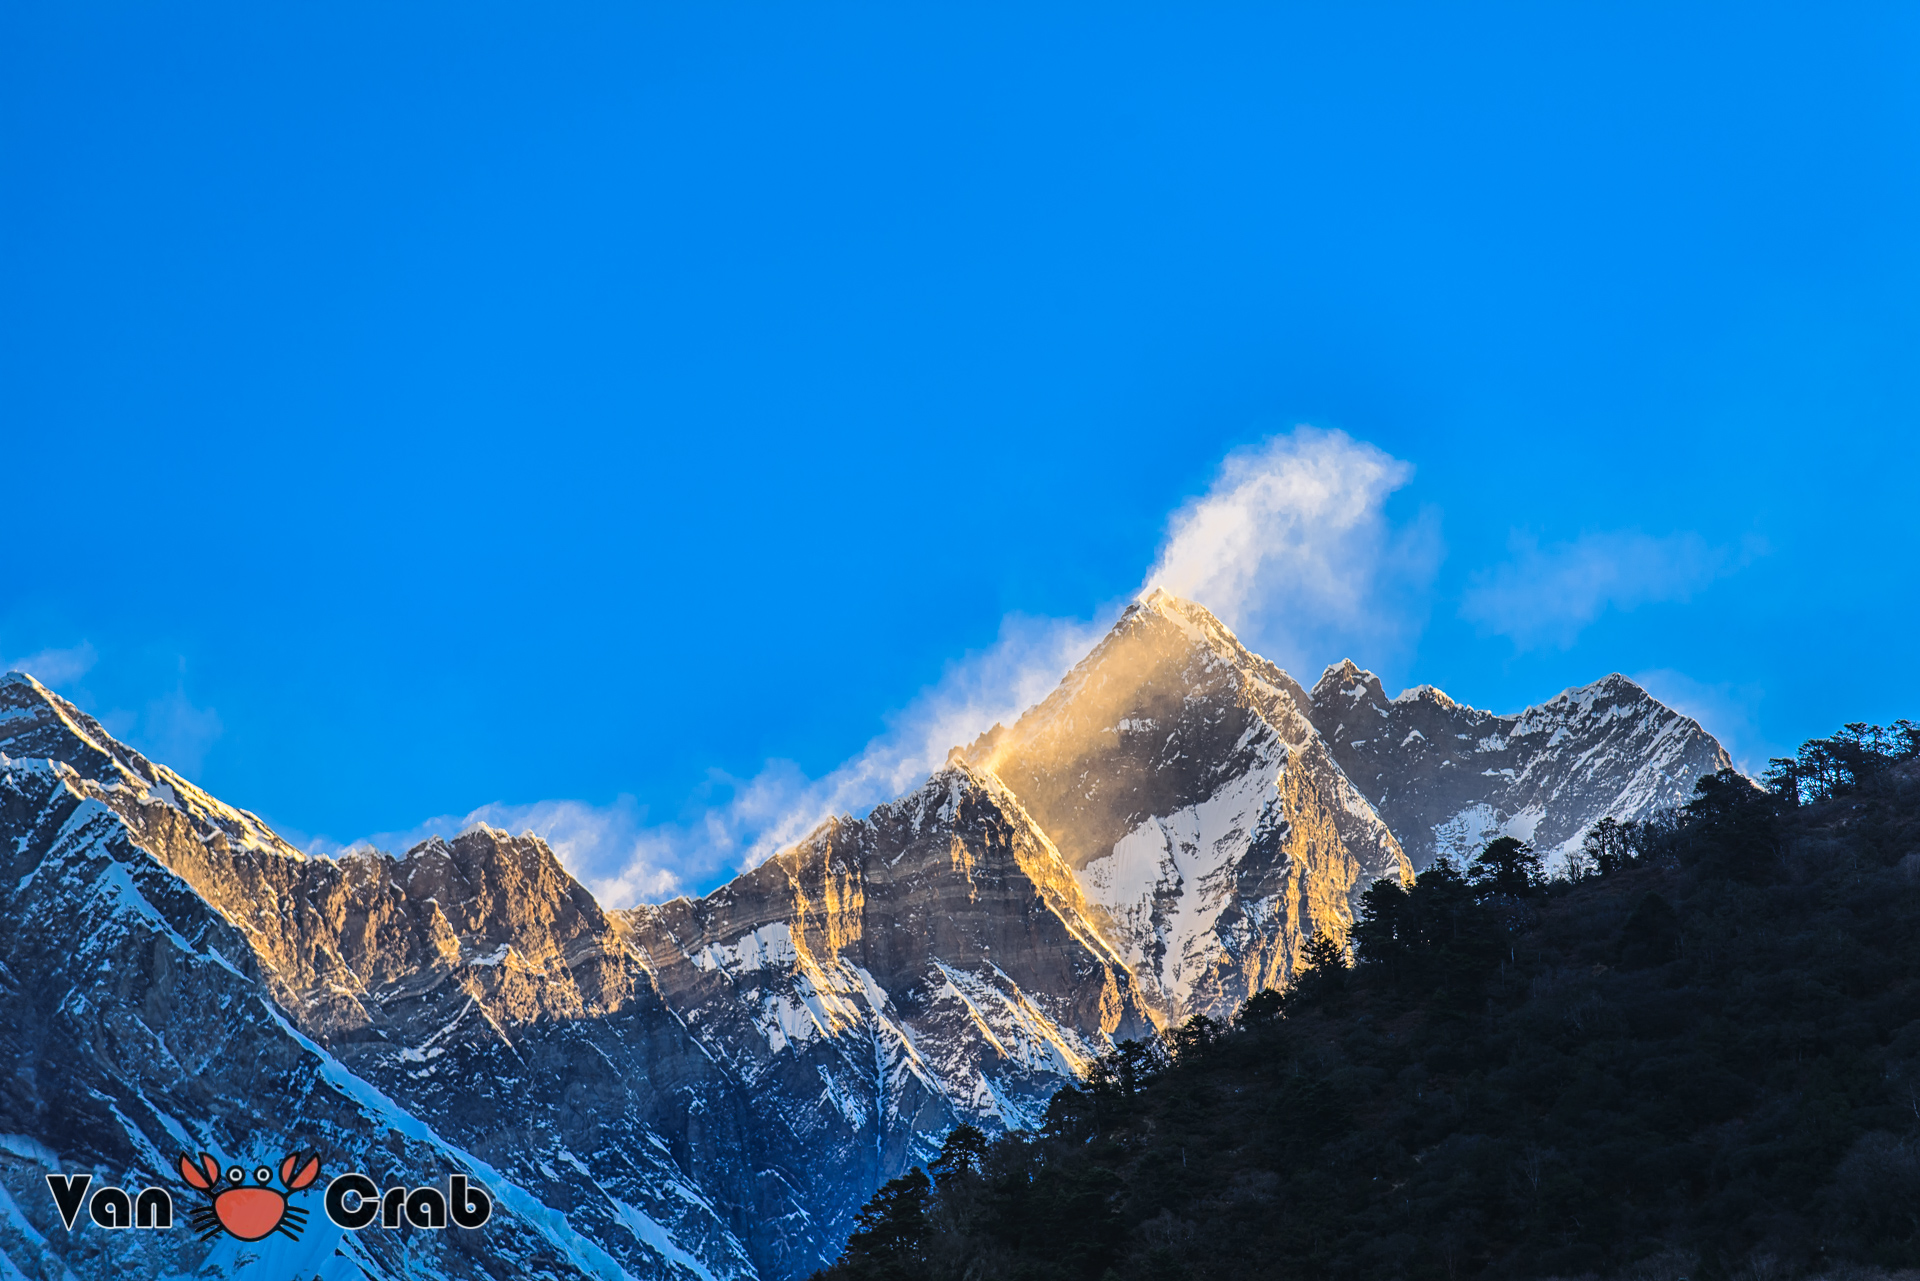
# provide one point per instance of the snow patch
(1165, 883)
(768, 948)
(659, 1240)
(1466, 833)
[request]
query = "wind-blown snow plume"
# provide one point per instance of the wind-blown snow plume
(1292, 548)
(997, 684)
(736, 823)
(54, 667)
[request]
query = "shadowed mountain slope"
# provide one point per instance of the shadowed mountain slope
(1184, 783)
(1448, 778)
(471, 994)
(710, 1087)
(927, 965)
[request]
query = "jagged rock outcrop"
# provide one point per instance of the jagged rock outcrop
(929, 964)
(138, 1024)
(1197, 805)
(707, 1086)
(472, 990)
(1448, 778)
(711, 1087)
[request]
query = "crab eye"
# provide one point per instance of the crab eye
(263, 1175)
(236, 1175)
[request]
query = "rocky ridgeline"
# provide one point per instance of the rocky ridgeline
(891, 975)
(1199, 808)
(179, 978)
(1448, 778)
(710, 1087)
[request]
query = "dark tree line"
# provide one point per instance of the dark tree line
(1696, 1054)
(1828, 767)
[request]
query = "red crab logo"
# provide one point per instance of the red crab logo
(253, 1211)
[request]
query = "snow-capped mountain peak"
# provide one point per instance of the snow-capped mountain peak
(710, 1087)
(1447, 778)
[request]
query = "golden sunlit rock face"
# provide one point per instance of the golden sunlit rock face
(734, 1074)
(1159, 838)
(1207, 824)
(937, 952)
(366, 941)
(355, 944)
(467, 1001)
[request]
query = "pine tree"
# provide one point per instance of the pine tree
(889, 1241)
(1606, 845)
(1191, 1040)
(1507, 866)
(960, 1155)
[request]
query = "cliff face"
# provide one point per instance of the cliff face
(140, 1023)
(711, 1087)
(1448, 778)
(706, 1086)
(472, 990)
(892, 976)
(1201, 812)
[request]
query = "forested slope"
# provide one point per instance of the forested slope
(1700, 1058)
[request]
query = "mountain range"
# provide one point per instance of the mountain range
(708, 1088)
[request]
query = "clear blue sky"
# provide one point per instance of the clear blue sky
(409, 408)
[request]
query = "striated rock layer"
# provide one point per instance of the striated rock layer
(710, 1087)
(889, 977)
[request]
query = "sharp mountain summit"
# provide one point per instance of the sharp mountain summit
(709, 1088)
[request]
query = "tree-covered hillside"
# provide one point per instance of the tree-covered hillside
(1699, 1057)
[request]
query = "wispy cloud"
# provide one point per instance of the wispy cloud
(625, 859)
(1292, 547)
(170, 729)
(1548, 595)
(54, 668)
(608, 847)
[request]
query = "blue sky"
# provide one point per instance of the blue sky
(647, 420)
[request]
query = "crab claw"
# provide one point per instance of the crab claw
(191, 1173)
(212, 1167)
(307, 1173)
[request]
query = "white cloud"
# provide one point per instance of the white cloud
(1292, 547)
(624, 860)
(1728, 712)
(1025, 662)
(1548, 595)
(169, 730)
(54, 668)
(608, 847)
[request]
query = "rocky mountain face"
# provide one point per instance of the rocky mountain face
(889, 977)
(710, 1087)
(180, 978)
(1201, 812)
(1448, 778)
